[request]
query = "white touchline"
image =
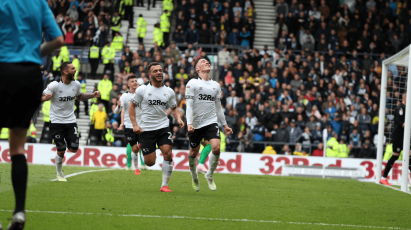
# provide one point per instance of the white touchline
(204, 218)
(392, 187)
(75, 174)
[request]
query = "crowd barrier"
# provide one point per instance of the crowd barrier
(236, 163)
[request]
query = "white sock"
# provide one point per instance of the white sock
(135, 160)
(213, 162)
(192, 163)
(167, 170)
(59, 164)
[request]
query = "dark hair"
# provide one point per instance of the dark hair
(64, 66)
(152, 64)
(198, 59)
(131, 76)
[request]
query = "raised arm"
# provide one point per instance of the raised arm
(86, 96)
(119, 107)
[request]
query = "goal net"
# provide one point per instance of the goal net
(394, 82)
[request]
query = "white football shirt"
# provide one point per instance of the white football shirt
(204, 93)
(153, 102)
(62, 101)
(125, 103)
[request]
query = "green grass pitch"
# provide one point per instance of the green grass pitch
(118, 199)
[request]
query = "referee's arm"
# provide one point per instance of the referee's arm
(48, 47)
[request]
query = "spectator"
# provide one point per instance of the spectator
(281, 135)
(192, 36)
(245, 37)
(343, 150)
(259, 132)
(317, 134)
(118, 135)
(222, 40)
(72, 13)
(105, 86)
(269, 150)
(223, 56)
(294, 132)
(69, 35)
(237, 8)
(299, 151)
(251, 120)
(99, 119)
(366, 151)
(205, 34)
(233, 99)
(332, 145)
(308, 46)
(306, 140)
(319, 152)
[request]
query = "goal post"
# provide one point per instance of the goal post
(402, 60)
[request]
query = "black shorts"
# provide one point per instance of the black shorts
(398, 144)
(149, 139)
(131, 137)
(65, 133)
(207, 132)
(21, 87)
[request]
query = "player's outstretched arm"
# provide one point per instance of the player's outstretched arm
(221, 117)
(189, 113)
(132, 113)
(176, 115)
(86, 96)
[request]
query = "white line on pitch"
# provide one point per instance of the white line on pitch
(78, 173)
(392, 187)
(209, 219)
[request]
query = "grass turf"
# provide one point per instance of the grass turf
(108, 196)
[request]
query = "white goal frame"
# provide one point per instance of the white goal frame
(401, 58)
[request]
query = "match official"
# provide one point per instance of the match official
(397, 138)
(21, 28)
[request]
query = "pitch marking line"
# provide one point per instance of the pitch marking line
(209, 219)
(392, 187)
(78, 173)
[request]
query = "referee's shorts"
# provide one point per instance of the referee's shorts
(398, 144)
(21, 87)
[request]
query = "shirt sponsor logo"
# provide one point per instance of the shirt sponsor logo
(205, 97)
(68, 98)
(156, 102)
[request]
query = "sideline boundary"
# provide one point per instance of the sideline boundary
(209, 219)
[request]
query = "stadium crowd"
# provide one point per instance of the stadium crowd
(321, 82)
